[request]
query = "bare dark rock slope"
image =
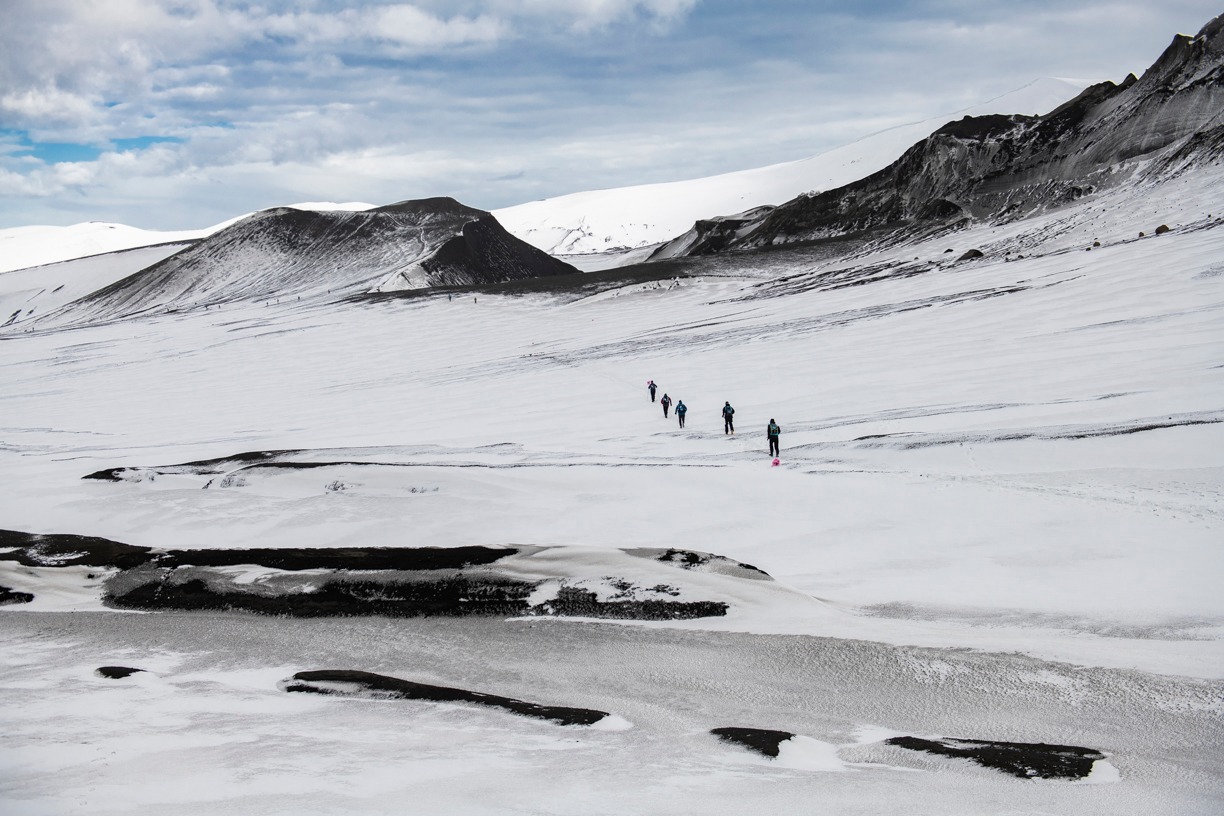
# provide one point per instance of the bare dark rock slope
(1007, 167)
(288, 254)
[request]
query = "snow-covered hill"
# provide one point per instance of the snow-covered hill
(285, 254)
(603, 220)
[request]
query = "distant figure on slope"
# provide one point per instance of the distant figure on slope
(681, 410)
(771, 431)
(728, 419)
(651, 387)
(666, 403)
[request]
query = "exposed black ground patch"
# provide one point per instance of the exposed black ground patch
(60, 550)
(115, 672)
(458, 596)
(915, 441)
(202, 467)
(689, 560)
(65, 550)
(11, 596)
(761, 740)
(394, 582)
(1027, 760)
(379, 686)
(575, 602)
(397, 596)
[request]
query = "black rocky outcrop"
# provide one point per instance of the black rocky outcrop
(116, 672)
(350, 683)
(8, 596)
(1027, 760)
(336, 582)
(762, 740)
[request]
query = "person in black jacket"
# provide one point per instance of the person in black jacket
(728, 419)
(772, 430)
(651, 386)
(666, 403)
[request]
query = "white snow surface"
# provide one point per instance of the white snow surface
(998, 516)
(601, 221)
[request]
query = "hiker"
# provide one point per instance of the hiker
(728, 421)
(681, 410)
(651, 386)
(771, 431)
(666, 403)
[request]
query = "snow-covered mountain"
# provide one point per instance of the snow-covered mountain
(587, 222)
(603, 220)
(1005, 167)
(284, 254)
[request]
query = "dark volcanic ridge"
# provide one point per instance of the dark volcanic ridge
(396, 582)
(1002, 168)
(288, 255)
(1027, 760)
(367, 685)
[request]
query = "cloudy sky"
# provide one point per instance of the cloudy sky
(172, 114)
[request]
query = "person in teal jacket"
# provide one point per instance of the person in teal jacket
(772, 430)
(681, 410)
(728, 419)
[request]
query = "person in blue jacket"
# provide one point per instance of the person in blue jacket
(772, 430)
(728, 419)
(681, 410)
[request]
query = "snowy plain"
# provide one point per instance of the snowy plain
(997, 516)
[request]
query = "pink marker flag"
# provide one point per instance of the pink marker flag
(775, 463)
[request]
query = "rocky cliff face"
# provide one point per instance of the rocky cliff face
(1006, 167)
(284, 253)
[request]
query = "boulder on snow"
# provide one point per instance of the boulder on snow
(1162, 229)
(115, 672)
(970, 255)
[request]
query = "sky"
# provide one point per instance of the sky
(178, 114)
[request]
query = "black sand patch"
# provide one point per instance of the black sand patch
(9, 596)
(397, 595)
(115, 672)
(691, 560)
(575, 602)
(202, 467)
(1027, 760)
(379, 686)
(457, 596)
(61, 550)
(761, 740)
(396, 582)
